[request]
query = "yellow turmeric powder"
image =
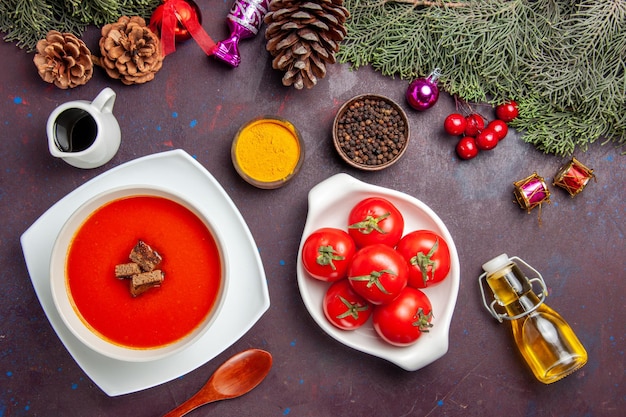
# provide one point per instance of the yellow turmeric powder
(267, 150)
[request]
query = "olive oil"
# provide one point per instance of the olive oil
(547, 343)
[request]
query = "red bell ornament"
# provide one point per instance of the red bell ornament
(186, 11)
(178, 21)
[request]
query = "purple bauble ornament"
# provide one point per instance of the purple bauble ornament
(244, 21)
(423, 93)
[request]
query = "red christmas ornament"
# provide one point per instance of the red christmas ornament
(178, 21)
(573, 177)
(186, 11)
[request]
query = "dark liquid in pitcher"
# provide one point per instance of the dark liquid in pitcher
(75, 130)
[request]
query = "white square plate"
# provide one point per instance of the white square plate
(247, 296)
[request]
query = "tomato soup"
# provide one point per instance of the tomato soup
(160, 316)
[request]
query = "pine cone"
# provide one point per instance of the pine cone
(63, 59)
(303, 38)
(130, 51)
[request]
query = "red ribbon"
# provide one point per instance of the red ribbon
(171, 17)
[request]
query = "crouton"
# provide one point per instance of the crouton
(141, 283)
(146, 257)
(127, 270)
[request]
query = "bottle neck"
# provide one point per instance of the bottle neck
(513, 291)
(525, 303)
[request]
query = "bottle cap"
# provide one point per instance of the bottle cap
(496, 263)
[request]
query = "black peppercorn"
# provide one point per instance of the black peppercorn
(370, 131)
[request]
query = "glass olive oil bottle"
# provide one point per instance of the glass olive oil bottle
(547, 343)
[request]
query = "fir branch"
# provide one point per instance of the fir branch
(426, 3)
(565, 61)
(27, 21)
(143, 8)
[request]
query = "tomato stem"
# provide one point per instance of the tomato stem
(374, 279)
(327, 254)
(370, 224)
(423, 262)
(423, 320)
(353, 309)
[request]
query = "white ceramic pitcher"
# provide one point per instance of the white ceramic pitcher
(85, 134)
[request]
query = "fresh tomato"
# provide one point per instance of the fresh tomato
(403, 321)
(466, 148)
(344, 308)
(474, 124)
(375, 220)
(498, 127)
(427, 255)
(486, 140)
(378, 273)
(327, 253)
(455, 124)
(507, 111)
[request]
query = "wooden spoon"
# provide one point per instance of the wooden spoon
(235, 377)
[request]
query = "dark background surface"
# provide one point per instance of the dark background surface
(197, 104)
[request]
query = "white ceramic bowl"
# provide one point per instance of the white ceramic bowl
(337, 195)
(62, 297)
